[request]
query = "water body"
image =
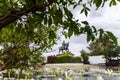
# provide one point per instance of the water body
(85, 78)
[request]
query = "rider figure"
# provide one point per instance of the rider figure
(63, 44)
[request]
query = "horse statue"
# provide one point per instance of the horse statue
(64, 46)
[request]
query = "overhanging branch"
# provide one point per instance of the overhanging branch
(9, 18)
(12, 16)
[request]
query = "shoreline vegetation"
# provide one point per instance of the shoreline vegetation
(64, 71)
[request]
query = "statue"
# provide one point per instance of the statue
(64, 46)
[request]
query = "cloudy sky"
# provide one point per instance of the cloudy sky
(107, 18)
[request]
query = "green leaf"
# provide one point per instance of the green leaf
(30, 2)
(82, 10)
(54, 8)
(94, 29)
(87, 9)
(60, 15)
(1, 14)
(85, 22)
(86, 12)
(81, 30)
(45, 19)
(111, 35)
(52, 35)
(112, 2)
(70, 31)
(118, 0)
(68, 13)
(97, 3)
(88, 37)
(71, 2)
(101, 33)
(1, 3)
(57, 18)
(50, 21)
(93, 37)
(41, 17)
(75, 6)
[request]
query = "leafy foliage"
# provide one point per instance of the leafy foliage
(22, 46)
(49, 13)
(85, 10)
(104, 47)
(84, 56)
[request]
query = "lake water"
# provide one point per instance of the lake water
(85, 78)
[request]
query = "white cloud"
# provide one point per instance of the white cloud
(112, 13)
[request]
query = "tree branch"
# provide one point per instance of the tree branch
(9, 49)
(9, 18)
(4, 66)
(12, 16)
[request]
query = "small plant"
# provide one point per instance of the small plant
(85, 58)
(18, 76)
(8, 71)
(80, 75)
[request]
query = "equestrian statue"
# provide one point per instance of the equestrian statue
(64, 47)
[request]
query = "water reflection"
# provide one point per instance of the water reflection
(85, 78)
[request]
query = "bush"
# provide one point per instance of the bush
(64, 58)
(85, 58)
(37, 59)
(110, 62)
(77, 59)
(51, 59)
